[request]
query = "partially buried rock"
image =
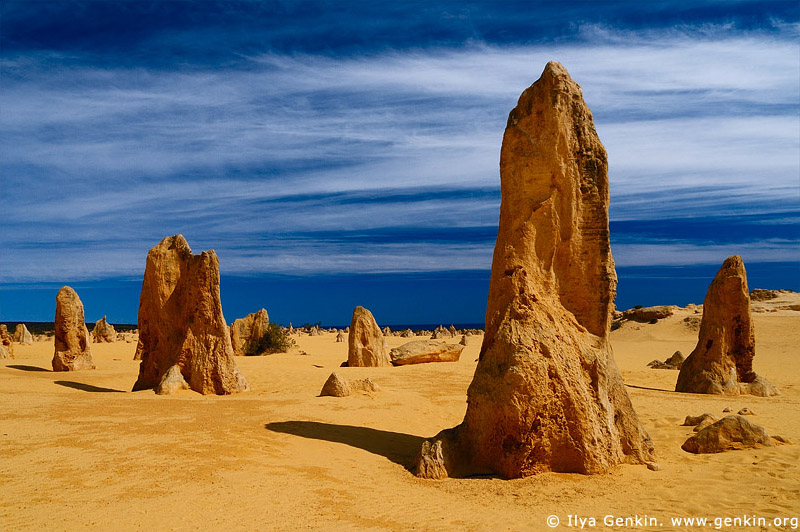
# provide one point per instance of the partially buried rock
(673, 362)
(103, 331)
(729, 433)
(248, 331)
(22, 335)
(72, 351)
(722, 361)
(366, 344)
(463, 340)
(691, 421)
(339, 337)
(746, 412)
(547, 394)
(338, 386)
(181, 322)
(172, 382)
(422, 351)
(648, 314)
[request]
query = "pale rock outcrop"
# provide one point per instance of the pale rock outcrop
(172, 382)
(463, 340)
(181, 322)
(722, 361)
(729, 433)
(339, 337)
(249, 329)
(72, 341)
(339, 386)
(547, 394)
(6, 343)
(103, 331)
(422, 351)
(22, 335)
(366, 344)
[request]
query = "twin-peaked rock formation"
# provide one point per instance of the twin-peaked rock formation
(181, 324)
(547, 394)
(72, 341)
(722, 361)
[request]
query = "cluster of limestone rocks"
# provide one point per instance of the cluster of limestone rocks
(546, 394)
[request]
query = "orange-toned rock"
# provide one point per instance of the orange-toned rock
(72, 337)
(547, 394)
(366, 344)
(722, 361)
(181, 323)
(103, 331)
(6, 343)
(245, 330)
(728, 434)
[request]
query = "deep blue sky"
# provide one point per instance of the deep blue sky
(344, 153)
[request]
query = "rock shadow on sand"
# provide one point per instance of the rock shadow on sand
(87, 387)
(23, 367)
(400, 448)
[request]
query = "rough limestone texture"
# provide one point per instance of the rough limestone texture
(728, 434)
(423, 351)
(181, 322)
(6, 343)
(338, 386)
(339, 337)
(251, 328)
(547, 394)
(103, 331)
(72, 341)
(172, 382)
(22, 335)
(722, 361)
(366, 344)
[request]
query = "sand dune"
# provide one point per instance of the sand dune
(82, 452)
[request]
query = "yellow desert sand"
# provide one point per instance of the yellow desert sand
(82, 452)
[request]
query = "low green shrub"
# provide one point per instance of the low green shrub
(275, 340)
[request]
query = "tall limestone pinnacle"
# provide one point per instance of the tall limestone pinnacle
(722, 361)
(546, 394)
(182, 331)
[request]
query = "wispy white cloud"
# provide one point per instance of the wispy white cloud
(92, 155)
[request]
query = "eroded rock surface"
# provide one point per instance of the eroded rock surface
(22, 335)
(547, 394)
(181, 322)
(339, 386)
(366, 344)
(247, 330)
(722, 361)
(72, 342)
(423, 351)
(728, 434)
(103, 331)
